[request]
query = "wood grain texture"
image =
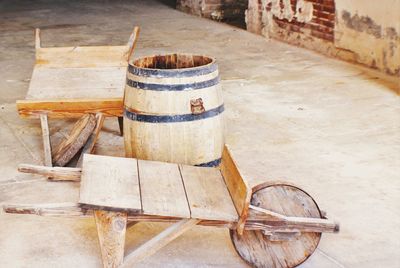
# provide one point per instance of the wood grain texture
(191, 143)
(110, 182)
(60, 108)
(111, 229)
(55, 173)
(76, 139)
(207, 194)
(188, 142)
(46, 140)
(88, 148)
(78, 83)
(162, 190)
(159, 241)
(82, 56)
(258, 249)
(132, 43)
(237, 186)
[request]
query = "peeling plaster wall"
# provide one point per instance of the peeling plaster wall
(361, 31)
(371, 30)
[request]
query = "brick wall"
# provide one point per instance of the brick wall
(318, 24)
(322, 24)
(229, 11)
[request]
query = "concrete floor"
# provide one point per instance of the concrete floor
(328, 126)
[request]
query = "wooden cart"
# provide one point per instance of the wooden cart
(68, 82)
(271, 225)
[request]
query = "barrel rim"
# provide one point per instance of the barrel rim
(173, 72)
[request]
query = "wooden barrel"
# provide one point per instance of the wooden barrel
(173, 110)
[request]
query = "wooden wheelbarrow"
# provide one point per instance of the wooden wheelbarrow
(271, 225)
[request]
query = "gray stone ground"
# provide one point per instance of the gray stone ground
(328, 126)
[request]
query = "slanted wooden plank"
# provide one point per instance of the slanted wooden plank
(77, 138)
(60, 108)
(207, 194)
(89, 146)
(159, 241)
(46, 140)
(237, 186)
(111, 229)
(162, 189)
(110, 182)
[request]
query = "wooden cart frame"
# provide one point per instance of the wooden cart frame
(213, 197)
(69, 82)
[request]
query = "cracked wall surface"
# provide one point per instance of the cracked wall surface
(370, 30)
(365, 32)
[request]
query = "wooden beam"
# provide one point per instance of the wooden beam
(132, 42)
(88, 148)
(79, 210)
(62, 108)
(111, 229)
(290, 224)
(159, 241)
(37, 39)
(77, 138)
(55, 173)
(48, 209)
(46, 140)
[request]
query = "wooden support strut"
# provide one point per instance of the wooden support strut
(46, 140)
(159, 241)
(111, 229)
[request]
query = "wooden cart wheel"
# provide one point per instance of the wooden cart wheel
(259, 250)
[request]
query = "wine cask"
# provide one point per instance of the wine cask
(173, 110)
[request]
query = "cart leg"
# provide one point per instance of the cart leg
(111, 228)
(46, 140)
(121, 125)
(159, 241)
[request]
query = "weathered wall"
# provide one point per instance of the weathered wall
(229, 11)
(370, 29)
(362, 31)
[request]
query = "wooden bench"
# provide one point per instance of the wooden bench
(117, 190)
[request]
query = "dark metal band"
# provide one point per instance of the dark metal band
(185, 72)
(213, 163)
(172, 118)
(173, 87)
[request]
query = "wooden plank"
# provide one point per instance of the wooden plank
(132, 42)
(111, 229)
(60, 108)
(82, 56)
(77, 83)
(110, 182)
(162, 189)
(79, 210)
(237, 186)
(207, 194)
(46, 140)
(159, 241)
(55, 173)
(77, 138)
(89, 146)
